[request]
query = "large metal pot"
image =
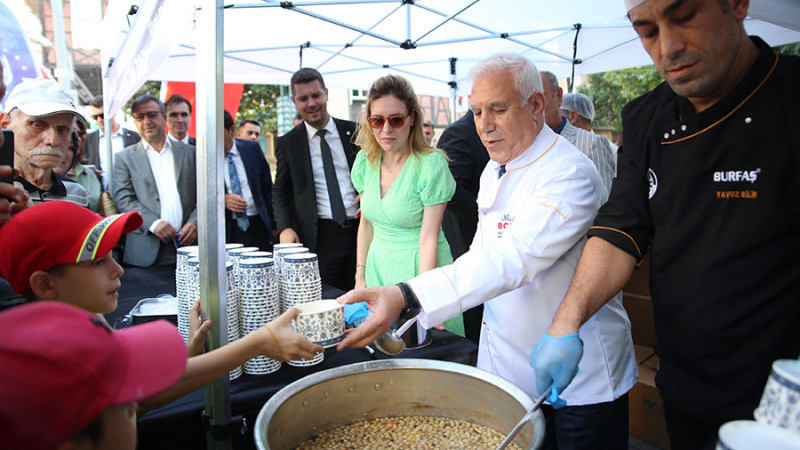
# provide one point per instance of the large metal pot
(399, 387)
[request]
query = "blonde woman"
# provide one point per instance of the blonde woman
(404, 185)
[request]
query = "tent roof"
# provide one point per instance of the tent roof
(353, 42)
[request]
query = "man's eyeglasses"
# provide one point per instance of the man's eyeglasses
(152, 115)
(100, 116)
(394, 121)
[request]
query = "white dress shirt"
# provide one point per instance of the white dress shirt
(340, 165)
(532, 225)
(185, 139)
(163, 166)
(247, 194)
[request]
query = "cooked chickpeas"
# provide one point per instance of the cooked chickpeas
(410, 432)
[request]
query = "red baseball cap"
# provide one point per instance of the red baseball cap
(57, 232)
(62, 367)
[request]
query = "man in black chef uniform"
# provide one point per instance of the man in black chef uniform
(708, 182)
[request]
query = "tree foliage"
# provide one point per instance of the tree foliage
(259, 102)
(610, 91)
(148, 88)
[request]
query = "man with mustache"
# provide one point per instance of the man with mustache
(708, 183)
(156, 177)
(41, 115)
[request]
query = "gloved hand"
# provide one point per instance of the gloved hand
(356, 313)
(555, 361)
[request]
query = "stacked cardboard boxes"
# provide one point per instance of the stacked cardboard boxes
(645, 403)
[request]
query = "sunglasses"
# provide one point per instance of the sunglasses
(152, 115)
(394, 121)
(98, 116)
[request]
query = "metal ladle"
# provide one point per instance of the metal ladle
(525, 418)
(391, 342)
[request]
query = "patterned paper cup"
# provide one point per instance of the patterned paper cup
(780, 403)
(749, 434)
(322, 322)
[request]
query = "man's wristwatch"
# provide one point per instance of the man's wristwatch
(411, 301)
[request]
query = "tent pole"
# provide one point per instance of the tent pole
(209, 90)
(453, 89)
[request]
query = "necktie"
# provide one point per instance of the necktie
(337, 206)
(236, 187)
(501, 171)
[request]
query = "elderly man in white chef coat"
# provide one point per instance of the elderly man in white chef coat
(538, 197)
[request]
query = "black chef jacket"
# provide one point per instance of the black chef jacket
(715, 196)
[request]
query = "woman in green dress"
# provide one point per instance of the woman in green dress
(404, 185)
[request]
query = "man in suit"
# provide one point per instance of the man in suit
(179, 118)
(94, 146)
(157, 178)
(248, 191)
(313, 197)
(468, 157)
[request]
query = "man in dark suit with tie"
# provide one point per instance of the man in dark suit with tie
(313, 197)
(179, 118)
(94, 146)
(248, 191)
(468, 157)
(157, 178)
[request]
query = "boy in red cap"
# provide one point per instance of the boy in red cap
(68, 381)
(62, 251)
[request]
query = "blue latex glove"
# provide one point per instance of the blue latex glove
(555, 361)
(356, 313)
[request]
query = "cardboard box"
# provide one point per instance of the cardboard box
(640, 312)
(646, 407)
(639, 283)
(643, 353)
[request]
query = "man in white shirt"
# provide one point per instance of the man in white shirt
(95, 145)
(156, 177)
(538, 196)
(179, 119)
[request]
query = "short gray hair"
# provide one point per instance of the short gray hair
(525, 74)
(551, 78)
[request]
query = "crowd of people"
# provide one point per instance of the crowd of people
(522, 220)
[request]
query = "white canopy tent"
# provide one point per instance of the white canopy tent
(353, 42)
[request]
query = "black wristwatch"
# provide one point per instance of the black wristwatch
(412, 303)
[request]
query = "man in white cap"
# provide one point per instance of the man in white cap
(578, 109)
(708, 181)
(41, 115)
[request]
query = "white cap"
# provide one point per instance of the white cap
(37, 97)
(630, 4)
(579, 103)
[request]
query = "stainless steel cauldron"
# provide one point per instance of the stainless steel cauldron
(398, 387)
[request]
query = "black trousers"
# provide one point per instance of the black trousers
(336, 250)
(690, 432)
(591, 427)
(257, 234)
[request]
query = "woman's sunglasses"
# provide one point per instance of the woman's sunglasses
(394, 121)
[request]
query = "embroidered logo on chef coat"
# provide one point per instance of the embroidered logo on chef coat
(737, 176)
(505, 221)
(653, 180)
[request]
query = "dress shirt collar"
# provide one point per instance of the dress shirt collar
(167, 146)
(330, 126)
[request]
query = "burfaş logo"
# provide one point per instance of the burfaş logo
(736, 176)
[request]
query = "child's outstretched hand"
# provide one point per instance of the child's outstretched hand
(283, 343)
(195, 344)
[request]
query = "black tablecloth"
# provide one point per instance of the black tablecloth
(179, 424)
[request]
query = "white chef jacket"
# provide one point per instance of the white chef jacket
(532, 225)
